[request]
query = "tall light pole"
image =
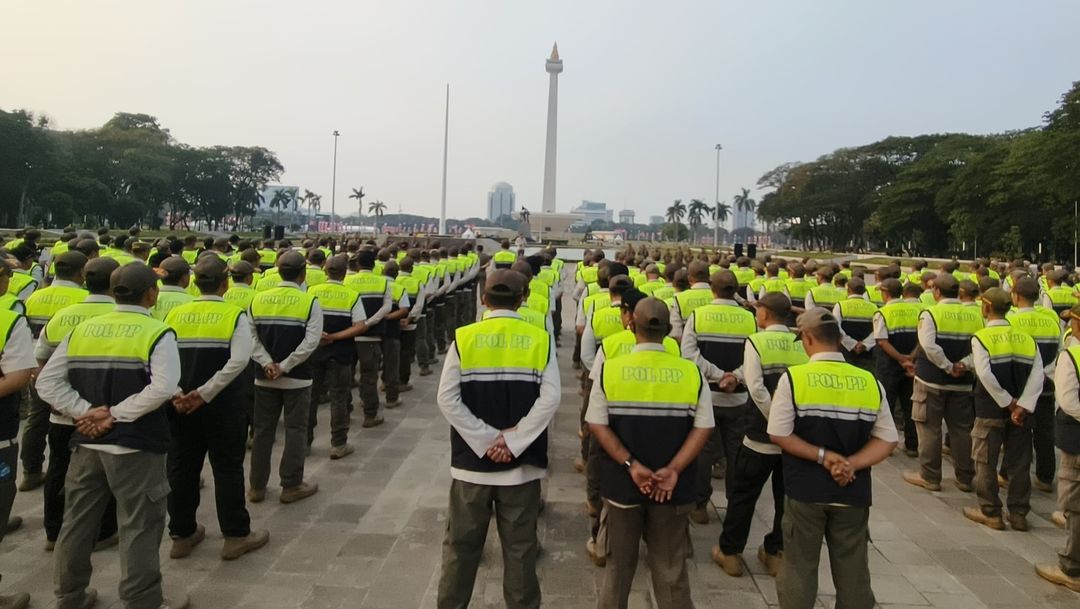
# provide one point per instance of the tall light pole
(445, 150)
(333, 185)
(716, 220)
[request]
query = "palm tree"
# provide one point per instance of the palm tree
(358, 194)
(377, 208)
(696, 213)
(720, 215)
(744, 203)
(282, 199)
(675, 214)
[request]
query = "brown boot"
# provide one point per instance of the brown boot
(916, 479)
(594, 553)
(15, 601)
(374, 421)
(732, 565)
(1018, 522)
(182, 547)
(298, 492)
(975, 514)
(235, 547)
(1054, 574)
(31, 480)
(256, 495)
(1058, 518)
(405, 387)
(772, 562)
(425, 370)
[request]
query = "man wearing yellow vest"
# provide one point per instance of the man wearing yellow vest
(17, 366)
(22, 283)
(121, 439)
(410, 324)
(832, 421)
(376, 294)
(1058, 296)
(650, 411)
(214, 340)
(1044, 326)
(856, 316)
(499, 391)
(503, 258)
(391, 340)
(824, 294)
(96, 274)
(714, 339)
(9, 302)
(173, 287)
(287, 325)
(768, 354)
(1066, 572)
(896, 327)
(40, 307)
(700, 293)
(943, 385)
(1009, 379)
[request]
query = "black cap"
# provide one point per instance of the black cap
(504, 283)
(175, 265)
(291, 260)
(99, 268)
(70, 262)
(211, 267)
(133, 280)
(337, 264)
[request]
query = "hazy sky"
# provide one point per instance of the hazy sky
(649, 88)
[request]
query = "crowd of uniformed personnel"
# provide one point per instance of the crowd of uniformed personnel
(137, 360)
(694, 366)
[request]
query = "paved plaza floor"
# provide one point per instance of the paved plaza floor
(371, 538)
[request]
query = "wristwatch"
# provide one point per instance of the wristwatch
(629, 463)
(821, 455)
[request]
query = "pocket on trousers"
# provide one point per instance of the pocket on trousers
(1070, 467)
(980, 449)
(158, 493)
(918, 410)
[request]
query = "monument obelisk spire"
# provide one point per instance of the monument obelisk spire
(554, 67)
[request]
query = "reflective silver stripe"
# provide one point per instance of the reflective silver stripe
(905, 330)
(107, 365)
(954, 336)
(337, 312)
(773, 368)
(501, 375)
(650, 412)
(280, 321)
(1000, 359)
(830, 411)
(682, 406)
(203, 343)
(721, 338)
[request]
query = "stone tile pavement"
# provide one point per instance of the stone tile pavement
(370, 539)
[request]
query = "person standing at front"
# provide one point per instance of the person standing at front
(17, 365)
(376, 293)
(831, 420)
(1066, 571)
(120, 442)
(214, 339)
(943, 386)
(499, 391)
(1009, 379)
(287, 325)
(651, 412)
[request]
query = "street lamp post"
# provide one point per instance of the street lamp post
(716, 220)
(333, 185)
(445, 150)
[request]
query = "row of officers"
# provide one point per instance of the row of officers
(982, 362)
(138, 382)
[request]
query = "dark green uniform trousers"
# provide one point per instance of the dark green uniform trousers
(846, 531)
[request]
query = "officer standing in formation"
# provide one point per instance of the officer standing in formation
(499, 391)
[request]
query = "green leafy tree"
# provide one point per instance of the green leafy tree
(675, 214)
(377, 208)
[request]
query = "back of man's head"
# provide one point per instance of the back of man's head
(724, 284)
(651, 321)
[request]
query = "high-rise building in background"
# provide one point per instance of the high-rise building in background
(657, 220)
(626, 216)
(500, 201)
(594, 210)
(744, 219)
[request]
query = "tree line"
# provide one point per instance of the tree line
(1009, 194)
(130, 171)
